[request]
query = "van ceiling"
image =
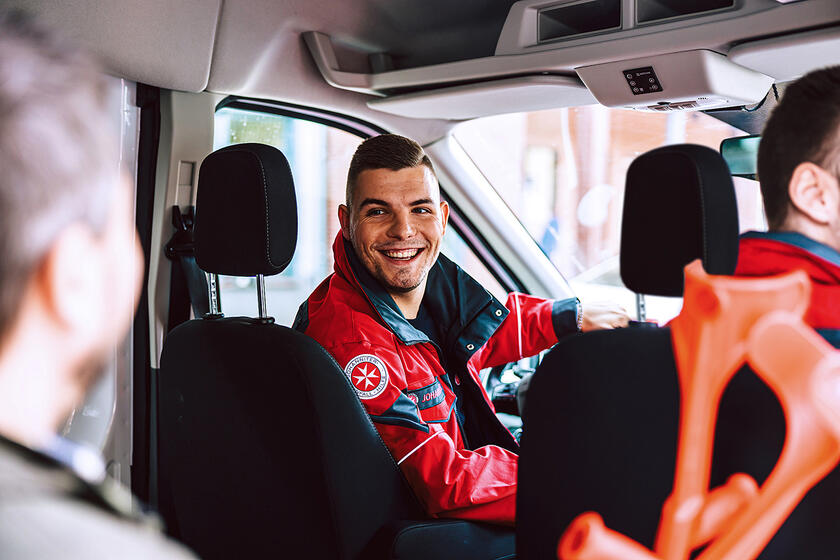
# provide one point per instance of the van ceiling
(253, 47)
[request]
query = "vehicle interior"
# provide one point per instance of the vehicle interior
(532, 112)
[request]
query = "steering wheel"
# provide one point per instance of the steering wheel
(503, 391)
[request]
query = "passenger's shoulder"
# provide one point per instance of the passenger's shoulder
(59, 526)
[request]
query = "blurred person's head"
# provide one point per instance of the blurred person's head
(70, 262)
(799, 158)
(393, 215)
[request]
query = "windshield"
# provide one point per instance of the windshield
(562, 173)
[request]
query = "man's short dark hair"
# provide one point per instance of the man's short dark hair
(386, 151)
(804, 127)
(58, 154)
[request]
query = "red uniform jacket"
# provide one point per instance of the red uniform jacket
(466, 471)
(771, 253)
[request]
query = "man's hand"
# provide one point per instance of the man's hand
(603, 315)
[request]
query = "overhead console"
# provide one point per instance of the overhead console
(691, 80)
(679, 54)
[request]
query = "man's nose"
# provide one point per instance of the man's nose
(402, 226)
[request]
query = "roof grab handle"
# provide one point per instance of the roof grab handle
(322, 51)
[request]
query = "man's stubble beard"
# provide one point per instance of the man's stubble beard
(379, 274)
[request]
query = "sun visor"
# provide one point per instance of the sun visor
(684, 81)
(789, 57)
(512, 95)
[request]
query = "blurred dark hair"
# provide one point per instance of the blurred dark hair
(59, 162)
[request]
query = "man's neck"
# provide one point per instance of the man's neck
(409, 302)
(817, 232)
(34, 399)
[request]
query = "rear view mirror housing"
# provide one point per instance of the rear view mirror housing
(741, 155)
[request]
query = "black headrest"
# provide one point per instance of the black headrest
(679, 205)
(246, 211)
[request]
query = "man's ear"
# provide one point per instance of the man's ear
(68, 280)
(344, 220)
(813, 193)
(444, 214)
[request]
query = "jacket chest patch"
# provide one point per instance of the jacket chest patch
(368, 374)
(429, 396)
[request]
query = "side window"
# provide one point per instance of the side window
(319, 156)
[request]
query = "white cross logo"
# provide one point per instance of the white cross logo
(366, 377)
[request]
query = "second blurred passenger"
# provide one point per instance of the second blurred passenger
(799, 170)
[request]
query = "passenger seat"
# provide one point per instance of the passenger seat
(600, 425)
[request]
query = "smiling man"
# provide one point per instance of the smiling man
(412, 330)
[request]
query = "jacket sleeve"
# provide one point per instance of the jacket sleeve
(533, 325)
(450, 481)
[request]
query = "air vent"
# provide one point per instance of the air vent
(679, 106)
(657, 10)
(578, 18)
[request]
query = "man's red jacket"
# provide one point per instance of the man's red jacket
(778, 252)
(466, 471)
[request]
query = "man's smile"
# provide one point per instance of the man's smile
(401, 255)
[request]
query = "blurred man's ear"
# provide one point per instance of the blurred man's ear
(344, 220)
(814, 193)
(68, 281)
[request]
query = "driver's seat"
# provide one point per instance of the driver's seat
(264, 447)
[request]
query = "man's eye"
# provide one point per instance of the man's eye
(422, 211)
(375, 212)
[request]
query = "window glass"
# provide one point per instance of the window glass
(319, 156)
(562, 173)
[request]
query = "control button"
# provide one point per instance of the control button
(651, 80)
(632, 83)
(629, 76)
(470, 346)
(635, 90)
(498, 313)
(654, 87)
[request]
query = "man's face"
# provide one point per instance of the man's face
(395, 225)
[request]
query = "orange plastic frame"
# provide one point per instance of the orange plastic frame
(726, 322)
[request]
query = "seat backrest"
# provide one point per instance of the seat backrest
(263, 446)
(600, 424)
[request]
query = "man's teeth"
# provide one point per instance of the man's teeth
(403, 254)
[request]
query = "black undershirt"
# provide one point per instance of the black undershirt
(425, 324)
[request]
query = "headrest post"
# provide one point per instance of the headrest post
(215, 296)
(641, 312)
(261, 296)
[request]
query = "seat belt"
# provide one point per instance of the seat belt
(188, 283)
